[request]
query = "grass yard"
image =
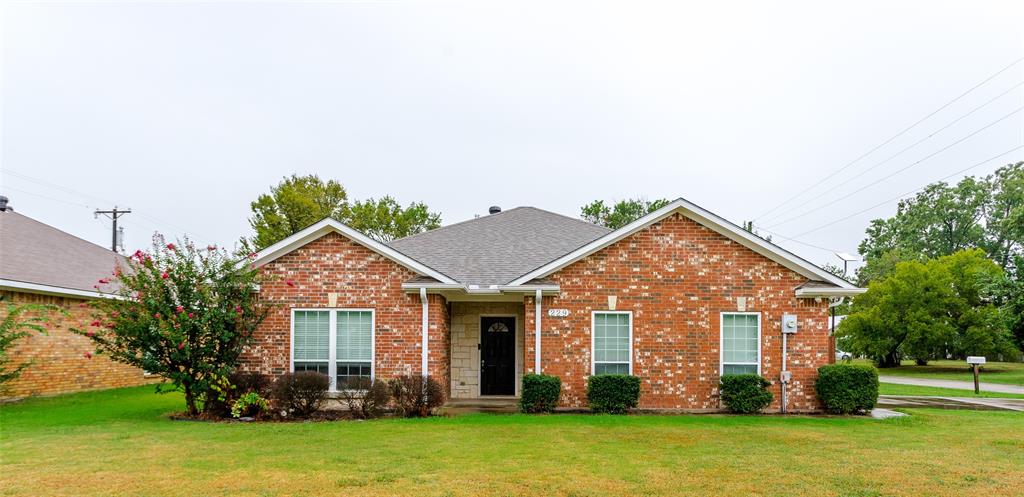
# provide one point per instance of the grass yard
(1010, 373)
(894, 389)
(120, 442)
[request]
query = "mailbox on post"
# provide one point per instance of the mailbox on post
(976, 362)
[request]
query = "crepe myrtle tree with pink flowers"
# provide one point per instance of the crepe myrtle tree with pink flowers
(180, 312)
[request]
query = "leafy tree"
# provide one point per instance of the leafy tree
(20, 322)
(179, 312)
(298, 202)
(1010, 297)
(621, 213)
(385, 220)
(985, 213)
(923, 310)
(901, 315)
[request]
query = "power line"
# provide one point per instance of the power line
(897, 135)
(894, 173)
(830, 223)
(155, 221)
(897, 154)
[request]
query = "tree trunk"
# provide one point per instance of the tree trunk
(890, 360)
(921, 362)
(190, 400)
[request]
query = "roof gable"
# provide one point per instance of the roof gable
(329, 225)
(705, 218)
(497, 248)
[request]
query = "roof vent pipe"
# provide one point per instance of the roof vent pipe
(494, 209)
(3, 204)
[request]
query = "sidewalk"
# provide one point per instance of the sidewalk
(961, 385)
(891, 401)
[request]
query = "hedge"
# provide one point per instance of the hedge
(540, 393)
(745, 393)
(847, 388)
(613, 393)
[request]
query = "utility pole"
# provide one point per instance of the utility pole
(113, 215)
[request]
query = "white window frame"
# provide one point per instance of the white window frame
(593, 338)
(721, 341)
(332, 355)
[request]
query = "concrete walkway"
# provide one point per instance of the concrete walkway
(960, 385)
(892, 401)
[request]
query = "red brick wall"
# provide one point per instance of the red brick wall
(361, 278)
(676, 277)
(59, 357)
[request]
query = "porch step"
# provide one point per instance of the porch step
(481, 404)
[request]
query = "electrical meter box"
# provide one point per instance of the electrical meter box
(789, 323)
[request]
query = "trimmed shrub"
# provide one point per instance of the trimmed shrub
(745, 393)
(540, 393)
(613, 393)
(847, 388)
(301, 393)
(414, 397)
(366, 399)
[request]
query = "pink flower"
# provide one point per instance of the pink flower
(181, 345)
(88, 355)
(104, 281)
(180, 309)
(157, 315)
(191, 315)
(170, 246)
(290, 283)
(90, 333)
(115, 314)
(110, 326)
(253, 255)
(211, 248)
(95, 323)
(164, 275)
(138, 255)
(238, 309)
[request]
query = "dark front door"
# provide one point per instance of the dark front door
(497, 356)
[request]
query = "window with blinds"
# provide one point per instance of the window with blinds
(611, 342)
(741, 334)
(337, 343)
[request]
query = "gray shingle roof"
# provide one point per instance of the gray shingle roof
(34, 252)
(497, 248)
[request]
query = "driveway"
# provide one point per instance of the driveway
(962, 385)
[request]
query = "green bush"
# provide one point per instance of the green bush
(745, 393)
(301, 393)
(540, 393)
(613, 393)
(847, 388)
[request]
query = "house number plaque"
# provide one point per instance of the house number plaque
(558, 313)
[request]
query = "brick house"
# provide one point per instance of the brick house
(41, 264)
(677, 298)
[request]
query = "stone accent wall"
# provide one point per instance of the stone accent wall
(676, 277)
(358, 278)
(59, 357)
(465, 338)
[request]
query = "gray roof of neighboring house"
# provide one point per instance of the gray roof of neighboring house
(497, 248)
(34, 252)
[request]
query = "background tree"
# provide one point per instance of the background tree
(621, 213)
(20, 322)
(924, 310)
(298, 202)
(294, 204)
(384, 220)
(180, 312)
(902, 315)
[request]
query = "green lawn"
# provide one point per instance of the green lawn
(894, 389)
(120, 442)
(1011, 373)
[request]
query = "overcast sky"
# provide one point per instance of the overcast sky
(185, 112)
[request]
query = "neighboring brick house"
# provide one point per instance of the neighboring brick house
(678, 298)
(42, 265)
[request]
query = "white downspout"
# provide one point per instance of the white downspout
(536, 332)
(426, 329)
